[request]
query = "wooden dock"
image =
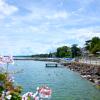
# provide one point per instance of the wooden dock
(51, 65)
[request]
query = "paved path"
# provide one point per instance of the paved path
(88, 61)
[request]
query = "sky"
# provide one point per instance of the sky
(40, 26)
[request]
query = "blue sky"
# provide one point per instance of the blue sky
(40, 26)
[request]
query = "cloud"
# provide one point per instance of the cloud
(45, 27)
(6, 9)
(58, 15)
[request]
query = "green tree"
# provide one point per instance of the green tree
(87, 44)
(96, 48)
(93, 45)
(75, 51)
(63, 51)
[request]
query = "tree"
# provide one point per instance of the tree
(63, 51)
(93, 45)
(96, 48)
(75, 50)
(50, 54)
(87, 44)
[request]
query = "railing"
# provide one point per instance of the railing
(90, 60)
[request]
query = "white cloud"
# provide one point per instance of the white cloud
(6, 9)
(85, 2)
(43, 29)
(58, 15)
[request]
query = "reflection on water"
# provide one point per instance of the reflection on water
(66, 85)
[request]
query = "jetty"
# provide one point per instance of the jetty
(51, 65)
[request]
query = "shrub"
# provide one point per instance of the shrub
(15, 96)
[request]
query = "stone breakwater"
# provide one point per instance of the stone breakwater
(87, 71)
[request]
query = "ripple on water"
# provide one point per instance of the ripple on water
(66, 84)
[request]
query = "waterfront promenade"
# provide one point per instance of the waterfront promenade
(90, 61)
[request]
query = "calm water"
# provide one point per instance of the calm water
(66, 84)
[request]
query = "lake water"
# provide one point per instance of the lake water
(66, 84)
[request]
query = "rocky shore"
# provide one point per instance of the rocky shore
(88, 71)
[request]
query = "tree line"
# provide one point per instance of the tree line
(92, 46)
